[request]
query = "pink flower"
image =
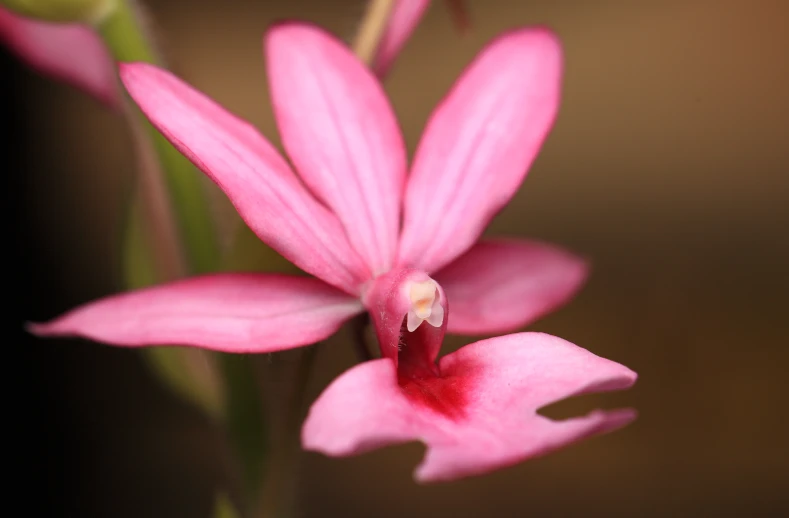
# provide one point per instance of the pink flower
(72, 53)
(340, 220)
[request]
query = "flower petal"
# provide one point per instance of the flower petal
(478, 146)
(402, 21)
(479, 415)
(341, 134)
(363, 409)
(224, 312)
(264, 190)
(501, 285)
(70, 52)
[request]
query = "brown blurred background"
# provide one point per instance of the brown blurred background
(668, 167)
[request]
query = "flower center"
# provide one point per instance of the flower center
(424, 305)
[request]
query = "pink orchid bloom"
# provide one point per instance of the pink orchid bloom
(72, 53)
(340, 220)
(402, 21)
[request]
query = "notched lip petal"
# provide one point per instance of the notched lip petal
(495, 423)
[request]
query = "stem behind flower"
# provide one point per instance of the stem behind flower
(124, 34)
(371, 29)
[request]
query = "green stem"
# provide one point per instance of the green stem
(169, 232)
(286, 376)
(244, 425)
(124, 34)
(371, 29)
(237, 400)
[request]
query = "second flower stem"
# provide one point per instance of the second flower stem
(123, 31)
(372, 29)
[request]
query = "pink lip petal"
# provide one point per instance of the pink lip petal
(508, 379)
(341, 134)
(258, 181)
(362, 410)
(478, 145)
(72, 53)
(478, 452)
(403, 20)
(226, 312)
(501, 285)
(479, 415)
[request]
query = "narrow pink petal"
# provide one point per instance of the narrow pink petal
(478, 146)
(479, 415)
(403, 20)
(264, 190)
(69, 52)
(501, 285)
(224, 312)
(341, 134)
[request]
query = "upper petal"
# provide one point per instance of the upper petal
(224, 312)
(478, 146)
(258, 181)
(341, 134)
(73, 53)
(501, 285)
(402, 21)
(479, 415)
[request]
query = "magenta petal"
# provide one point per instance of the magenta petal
(478, 146)
(479, 415)
(224, 312)
(341, 134)
(264, 190)
(70, 52)
(501, 285)
(403, 20)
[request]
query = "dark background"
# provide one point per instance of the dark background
(668, 167)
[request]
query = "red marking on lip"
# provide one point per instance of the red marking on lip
(445, 395)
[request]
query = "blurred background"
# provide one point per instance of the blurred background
(668, 168)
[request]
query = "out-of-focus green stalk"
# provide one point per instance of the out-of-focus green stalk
(372, 29)
(169, 231)
(247, 252)
(244, 423)
(224, 385)
(287, 374)
(223, 508)
(123, 32)
(61, 11)
(189, 373)
(139, 268)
